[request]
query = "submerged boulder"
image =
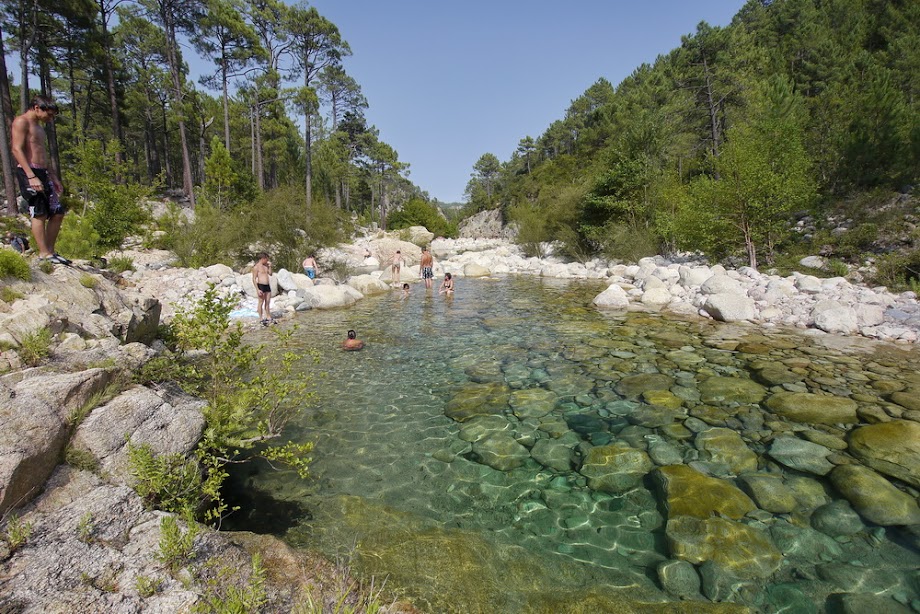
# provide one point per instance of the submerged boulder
(875, 498)
(742, 550)
(813, 408)
(615, 468)
(688, 492)
(892, 448)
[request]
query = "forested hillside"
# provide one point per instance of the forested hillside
(275, 110)
(796, 106)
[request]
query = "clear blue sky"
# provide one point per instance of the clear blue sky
(449, 81)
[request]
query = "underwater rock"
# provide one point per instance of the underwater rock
(662, 398)
(813, 408)
(500, 451)
(532, 402)
(769, 493)
(552, 454)
(874, 497)
(726, 446)
(859, 579)
(483, 426)
(892, 448)
(788, 598)
(804, 543)
(777, 375)
(690, 493)
(722, 390)
(743, 551)
(664, 453)
(907, 399)
(861, 603)
(615, 468)
(837, 518)
(679, 578)
(801, 455)
(633, 386)
(478, 400)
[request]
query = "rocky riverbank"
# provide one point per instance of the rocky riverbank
(75, 535)
(684, 287)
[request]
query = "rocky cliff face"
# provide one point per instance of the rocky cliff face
(486, 225)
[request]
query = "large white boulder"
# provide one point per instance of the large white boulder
(693, 277)
(614, 297)
(728, 307)
(329, 297)
(721, 284)
(834, 317)
(475, 270)
(368, 285)
(656, 297)
(419, 235)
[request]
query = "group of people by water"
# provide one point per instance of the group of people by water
(262, 272)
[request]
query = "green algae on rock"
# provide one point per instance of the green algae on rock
(875, 498)
(813, 408)
(615, 468)
(742, 550)
(892, 448)
(720, 390)
(688, 492)
(478, 400)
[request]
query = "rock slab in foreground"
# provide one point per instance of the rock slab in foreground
(34, 428)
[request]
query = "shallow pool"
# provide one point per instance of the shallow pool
(513, 449)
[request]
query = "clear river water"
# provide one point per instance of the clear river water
(453, 455)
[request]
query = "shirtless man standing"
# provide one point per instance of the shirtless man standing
(37, 182)
(426, 267)
(397, 263)
(261, 278)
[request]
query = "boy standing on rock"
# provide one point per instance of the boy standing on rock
(37, 181)
(426, 267)
(261, 278)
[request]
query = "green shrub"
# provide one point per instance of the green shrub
(88, 281)
(34, 347)
(16, 533)
(120, 264)
(46, 267)
(8, 295)
(177, 547)
(837, 268)
(78, 458)
(418, 212)
(78, 237)
(14, 265)
(222, 596)
(624, 242)
(170, 482)
(897, 270)
(85, 528)
(147, 586)
(250, 396)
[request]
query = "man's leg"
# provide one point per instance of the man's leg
(52, 230)
(40, 234)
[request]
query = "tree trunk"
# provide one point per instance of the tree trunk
(309, 157)
(6, 119)
(713, 108)
(54, 152)
(260, 174)
(166, 163)
(223, 78)
(110, 82)
(172, 56)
